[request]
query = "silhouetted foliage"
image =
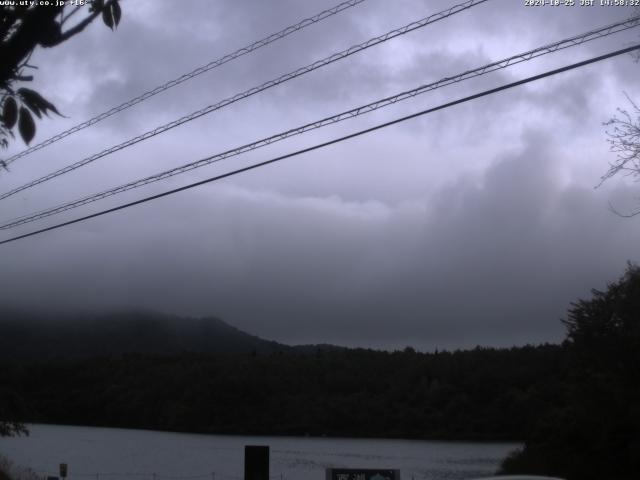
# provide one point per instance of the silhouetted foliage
(10, 471)
(12, 411)
(595, 433)
(23, 27)
(483, 393)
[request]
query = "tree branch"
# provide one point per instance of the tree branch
(71, 14)
(82, 25)
(623, 215)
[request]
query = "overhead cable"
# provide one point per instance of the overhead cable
(354, 112)
(331, 142)
(252, 91)
(188, 76)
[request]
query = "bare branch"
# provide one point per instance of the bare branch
(71, 14)
(623, 215)
(624, 140)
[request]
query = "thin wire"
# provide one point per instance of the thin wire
(331, 142)
(188, 76)
(252, 91)
(354, 112)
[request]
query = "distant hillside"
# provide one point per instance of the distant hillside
(28, 337)
(481, 394)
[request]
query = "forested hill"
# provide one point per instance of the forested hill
(574, 404)
(476, 394)
(26, 337)
(148, 370)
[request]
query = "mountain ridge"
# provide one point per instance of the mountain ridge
(29, 336)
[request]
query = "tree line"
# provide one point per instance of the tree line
(478, 394)
(576, 406)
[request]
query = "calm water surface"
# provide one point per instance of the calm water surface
(113, 454)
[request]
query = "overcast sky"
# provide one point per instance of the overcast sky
(479, 224)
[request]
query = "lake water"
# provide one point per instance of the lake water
(113, 454)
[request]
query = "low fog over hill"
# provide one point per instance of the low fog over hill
(38, 336)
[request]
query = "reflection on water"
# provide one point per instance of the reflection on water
(112, 454)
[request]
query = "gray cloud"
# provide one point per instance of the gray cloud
(494, 259)
(475, 225)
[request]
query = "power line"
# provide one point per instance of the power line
(354, 112)
(331, 142)
(188, 76)
(252, 91)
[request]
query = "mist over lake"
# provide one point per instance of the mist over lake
(110, 454)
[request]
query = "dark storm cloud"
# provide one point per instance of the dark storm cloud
(494, 259)
(476, 225)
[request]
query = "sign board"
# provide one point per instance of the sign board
(256, 462)
(63, 470)
(362, 474)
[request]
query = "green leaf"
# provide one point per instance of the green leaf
(36, 102)
(26, 125)
(10, 112)
(116, 11)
